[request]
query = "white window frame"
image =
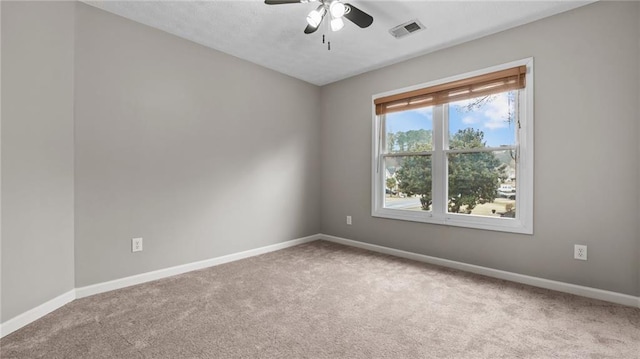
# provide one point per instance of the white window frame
(522, 223)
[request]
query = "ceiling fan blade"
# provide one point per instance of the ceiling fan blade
(358, 16)
(310, 29)
(280, 2)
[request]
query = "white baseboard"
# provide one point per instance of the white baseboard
(38, 312)
(588, 292)
(168, 272)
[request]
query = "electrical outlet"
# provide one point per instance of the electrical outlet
(580, 252)
(136, 245)
(349, 220)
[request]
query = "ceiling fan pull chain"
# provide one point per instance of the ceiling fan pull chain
(329, 45)
(323, 38)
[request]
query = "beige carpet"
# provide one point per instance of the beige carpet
(323, 300)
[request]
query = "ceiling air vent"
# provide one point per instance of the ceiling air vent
(407, 28)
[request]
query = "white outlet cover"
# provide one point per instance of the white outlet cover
(580, 252)
(136, 244)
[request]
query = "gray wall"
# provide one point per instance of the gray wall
(198, 152)
(586, 156)
(638, 116)
(37, 154)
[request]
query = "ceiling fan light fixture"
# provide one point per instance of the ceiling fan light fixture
(315, 17)
(336, 24)
(337, 9)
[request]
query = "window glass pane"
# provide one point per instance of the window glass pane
(483, 183)
(409, 131)
(487, 121)
(408, 183)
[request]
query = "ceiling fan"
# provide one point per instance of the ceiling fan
(336, 10)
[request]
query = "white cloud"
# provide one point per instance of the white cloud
(497, 113)
(494, 124)
(425, 111)
(469, 120)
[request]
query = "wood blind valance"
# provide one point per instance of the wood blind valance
(482, 85)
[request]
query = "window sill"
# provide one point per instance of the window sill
(457, 220)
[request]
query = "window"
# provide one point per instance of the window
(458, 151)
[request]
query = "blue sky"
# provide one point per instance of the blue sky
(491, 119)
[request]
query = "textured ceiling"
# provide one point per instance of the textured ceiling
(272, 36)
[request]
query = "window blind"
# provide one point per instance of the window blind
(482, 85)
